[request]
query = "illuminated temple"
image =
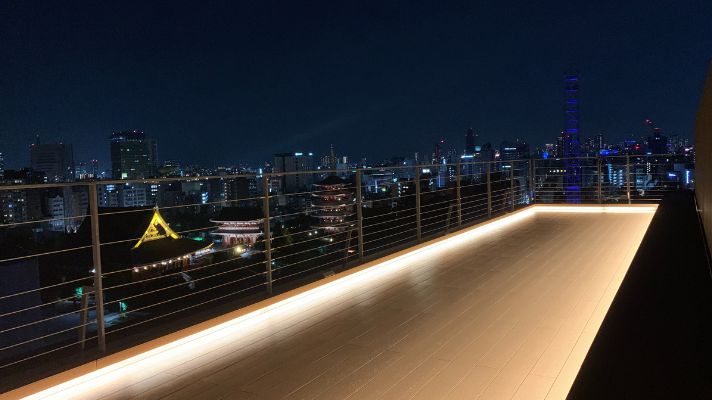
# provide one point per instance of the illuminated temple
(141, 241)
(238, 226)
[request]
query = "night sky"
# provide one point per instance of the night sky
(239, 81)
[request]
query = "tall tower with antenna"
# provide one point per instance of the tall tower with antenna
(571, 139)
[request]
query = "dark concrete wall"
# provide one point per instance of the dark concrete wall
(703, 158)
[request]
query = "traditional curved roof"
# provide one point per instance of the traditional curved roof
(239, 214)
(332, 180)
(157, 229)
(142, 236)
(159, 242)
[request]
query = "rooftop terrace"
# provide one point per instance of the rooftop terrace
(505, 309)
(469, 280)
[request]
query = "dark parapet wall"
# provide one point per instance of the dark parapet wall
(703, 158)
(654, 342)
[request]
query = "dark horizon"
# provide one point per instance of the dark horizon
(241, 82)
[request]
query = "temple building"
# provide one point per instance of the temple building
(140, 241)
(238, 226)
(332, 206)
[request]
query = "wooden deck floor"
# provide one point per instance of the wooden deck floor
(509, 314)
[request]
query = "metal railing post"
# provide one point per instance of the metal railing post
(627, 177)
(96, 257)
(458, 194)
(417, 204)
(511, 182)
(266, 231)
(599, 177)
(489, 189)
(533, 180)
(359, 214)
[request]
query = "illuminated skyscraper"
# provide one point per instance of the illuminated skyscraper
(570, 142)
(133, 155)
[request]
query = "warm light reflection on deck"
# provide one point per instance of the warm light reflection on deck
(182, 350)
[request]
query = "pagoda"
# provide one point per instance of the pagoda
(332, 205)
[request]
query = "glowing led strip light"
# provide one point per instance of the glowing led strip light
(596, 209)
(161, 356)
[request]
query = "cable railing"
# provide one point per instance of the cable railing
(611, 179)
(90, 267)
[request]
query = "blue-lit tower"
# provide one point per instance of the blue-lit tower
(571, 145)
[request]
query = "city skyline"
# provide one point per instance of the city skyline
(364, 199)
(82, 162)
(408, 76)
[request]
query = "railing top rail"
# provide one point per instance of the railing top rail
(25, 186)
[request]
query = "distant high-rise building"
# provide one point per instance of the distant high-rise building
(94, 165)
(513, 150)
(593, 145)
(676, 144)
(474, 167)
(599, 142)
(241, 188)
(484, 153)
(451, 155)
(170, 168)
(291, 163)
(438, 151)
(470, 142)
(571, 138)
(55, 209)
(84, 171)
(64, 203)
(20, 205)
(133, 155)
(559, 147)
(81, 171)
(133, 196)
(332, 158)
(2, 167)
(631, 145)
(657, 143)
(54, 160)
(549, 150)
(128, 195)
(570, 141)
(343, 168)
(13, 206)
